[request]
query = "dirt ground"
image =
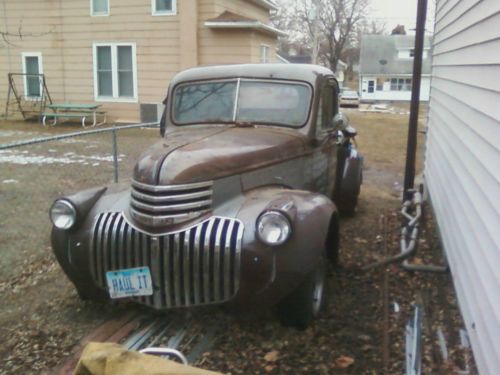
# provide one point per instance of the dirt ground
(42, 318)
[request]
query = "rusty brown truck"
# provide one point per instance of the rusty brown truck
(238, 203)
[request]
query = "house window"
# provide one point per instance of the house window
(32, 68)
(99, 7)
(115, 77)
(264, 54)
(401, 84)
(163, 7)
(407, 85)
(412, 53)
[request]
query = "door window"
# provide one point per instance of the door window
(371, 87)
(326, 110)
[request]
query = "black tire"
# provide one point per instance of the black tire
(347, 207)
(305, 303)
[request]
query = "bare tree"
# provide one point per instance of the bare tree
(9, 38)
(332, 24)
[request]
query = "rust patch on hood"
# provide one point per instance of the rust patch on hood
(196, 154)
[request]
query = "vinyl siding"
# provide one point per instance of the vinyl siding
(462, 168)
(64, 32)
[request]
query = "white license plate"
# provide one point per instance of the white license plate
(129, 282)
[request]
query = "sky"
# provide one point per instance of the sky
(394, 12)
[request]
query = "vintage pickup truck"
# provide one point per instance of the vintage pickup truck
(237, 204)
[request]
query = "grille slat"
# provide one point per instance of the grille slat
(193, 267)
(196, 265)
(237, 261)
(107, 236)
(96, 238)
(155, 271)
(114, 243)
(206, 262)
(186, 268)
(177, 273)
(227, 260)
(166, 268)
(174, 198)
(217, 262)
(158, 205)
(129, 247)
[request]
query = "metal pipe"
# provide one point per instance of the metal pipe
(414, 343)
(424, 267)
(406, 252)
(411, 148)
(77, 134)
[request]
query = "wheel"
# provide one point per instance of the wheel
(306, 302)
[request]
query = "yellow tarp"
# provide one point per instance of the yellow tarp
(113, 359)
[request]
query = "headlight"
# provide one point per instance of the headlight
(63, 214)
(273, 228)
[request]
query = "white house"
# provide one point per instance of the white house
(462, 168)
(386, 67)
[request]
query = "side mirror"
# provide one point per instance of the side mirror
(340, 121)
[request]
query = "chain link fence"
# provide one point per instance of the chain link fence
(37, 166)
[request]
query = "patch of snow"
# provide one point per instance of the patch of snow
(20, 158)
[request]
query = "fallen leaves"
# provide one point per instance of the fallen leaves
(272, 356)
(344, 361)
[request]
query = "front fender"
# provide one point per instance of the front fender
(272, 272)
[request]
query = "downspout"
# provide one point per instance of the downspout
(411, 148)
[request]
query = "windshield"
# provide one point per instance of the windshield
(242, 101)
(350, 93)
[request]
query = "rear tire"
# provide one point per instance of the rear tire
(347, 207)
(306, 302)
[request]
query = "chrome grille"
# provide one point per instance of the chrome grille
(197, 266)
(158, 205)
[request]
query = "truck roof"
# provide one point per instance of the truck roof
(301, 72)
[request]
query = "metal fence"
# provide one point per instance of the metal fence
(37, 166)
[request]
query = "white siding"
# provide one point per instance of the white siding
(462, 168)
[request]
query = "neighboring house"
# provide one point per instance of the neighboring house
(122, 54)
(462, 167)
(386, 67)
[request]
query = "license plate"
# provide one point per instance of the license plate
(129, 282)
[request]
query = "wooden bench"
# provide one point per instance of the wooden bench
(69, 110)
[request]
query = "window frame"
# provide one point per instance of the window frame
(171, 109)
(156, 12)
(40, 71)
(101, 14)
(114, 72)
(264, 57)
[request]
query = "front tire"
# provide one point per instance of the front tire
(305, 303)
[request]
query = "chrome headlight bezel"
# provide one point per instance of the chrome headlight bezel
(63, 214)
(273, 217)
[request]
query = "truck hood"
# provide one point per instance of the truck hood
(198, 154)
